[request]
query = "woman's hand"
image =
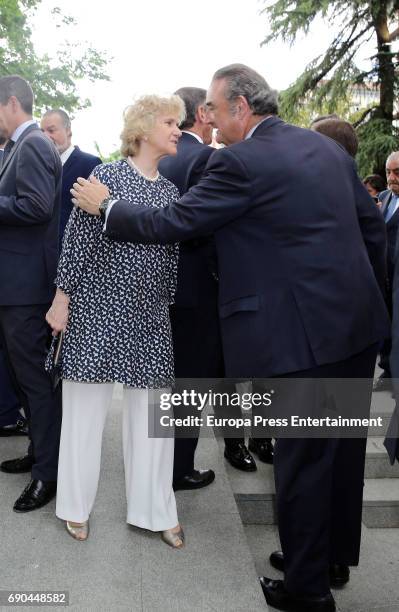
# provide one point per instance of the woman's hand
(57, 316)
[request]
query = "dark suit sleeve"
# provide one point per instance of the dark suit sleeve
(35, 186)
(221, 196)
(394, 356)
(372, 226)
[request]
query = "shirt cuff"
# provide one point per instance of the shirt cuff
(110, 205)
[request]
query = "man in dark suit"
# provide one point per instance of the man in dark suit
(30, 192)
(390, 211)
(196, 283)
(301, 259)
(12, 423)
(56, 124)
(197, 341)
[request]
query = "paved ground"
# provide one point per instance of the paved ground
(127, 569)
(124, 568)
(374, 585)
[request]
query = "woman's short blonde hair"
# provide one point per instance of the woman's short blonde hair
(139, 119)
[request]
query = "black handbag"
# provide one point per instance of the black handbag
(55, 367)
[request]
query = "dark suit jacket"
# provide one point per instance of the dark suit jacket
(392, 231)
(195, 280)
(392, 439)
(77, 164)
(30, 198)
(300, 245)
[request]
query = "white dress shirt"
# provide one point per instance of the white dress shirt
(67, 154)
(21, 129)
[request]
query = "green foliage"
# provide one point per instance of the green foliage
(377, 139)
(53, 79)
(110, 157)
(325, 84)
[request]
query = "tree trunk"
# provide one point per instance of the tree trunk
(385, 66)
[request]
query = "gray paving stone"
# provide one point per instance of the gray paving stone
(124, 568)
(373, 585)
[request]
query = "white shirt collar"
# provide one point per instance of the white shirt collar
(251, 131)
(21, 129)
(66, 154)
(195, 135)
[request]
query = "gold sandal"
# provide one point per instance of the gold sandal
(79, 531)
(175, 539)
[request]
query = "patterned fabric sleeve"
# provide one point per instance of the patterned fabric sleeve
(82, 234)
(173, 251)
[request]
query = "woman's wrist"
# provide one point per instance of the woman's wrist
(61, 297)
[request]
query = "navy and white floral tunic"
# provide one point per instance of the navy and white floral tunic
(118, 328)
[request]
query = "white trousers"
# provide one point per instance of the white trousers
(148, 461)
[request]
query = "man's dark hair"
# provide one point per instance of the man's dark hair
(339, 130)
(323, 117)
(61, 113)
(15, 85)
(244, 81)
(375, 181)
(193, 97)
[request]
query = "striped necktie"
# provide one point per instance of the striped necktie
(391, 208)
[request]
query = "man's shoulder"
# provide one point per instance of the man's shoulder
(384, 194)
(34, 135)
(189, 145)
(84, 157)
(35, 139)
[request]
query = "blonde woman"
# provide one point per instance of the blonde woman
(112, 301)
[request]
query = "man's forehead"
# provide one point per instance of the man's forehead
(52, 120)
(392, 162)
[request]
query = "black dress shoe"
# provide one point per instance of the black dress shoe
(18, 466)
(383, 383)
(19, 428)
(277, 597)
(196, 480)
(239, 457)
(263, 447)
(339, 573)
(35, 495)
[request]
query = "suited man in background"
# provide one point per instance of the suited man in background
(390, 211)
(12, 423)
(30, 195)
(56, 124)
(197, 340)
(291, 303)
(194, 328)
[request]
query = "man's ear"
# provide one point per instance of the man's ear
(241, 107)
(201, 114)
(15, 103)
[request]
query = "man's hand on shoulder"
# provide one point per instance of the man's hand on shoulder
(88, 194)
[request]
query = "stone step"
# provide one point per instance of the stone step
(377, 462)
(382, 405)
(254, 492)
(381, 502)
